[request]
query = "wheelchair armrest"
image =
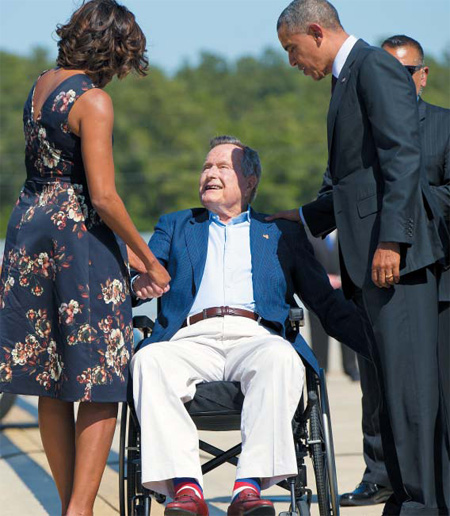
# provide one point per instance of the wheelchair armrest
(143, 323)
(296, 318)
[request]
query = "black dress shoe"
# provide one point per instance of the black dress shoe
(366, 493)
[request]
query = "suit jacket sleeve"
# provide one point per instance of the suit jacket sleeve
(389, 100)
(319, 214)
(338, 316)
(327, 185)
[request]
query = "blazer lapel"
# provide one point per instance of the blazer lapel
(196, 236)
(263, 244)
(339, 91)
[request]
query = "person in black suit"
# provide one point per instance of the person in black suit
(435, 139)
(327, 253)
(391, 237)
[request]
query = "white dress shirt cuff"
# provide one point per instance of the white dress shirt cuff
(302, 217)
(133, 279)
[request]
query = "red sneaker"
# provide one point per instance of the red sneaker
(249, 503)
(186, 505)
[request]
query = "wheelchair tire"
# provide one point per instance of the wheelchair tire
(322, 449)
(319, 459)
(133, 474)
(122, 459)
(329, 445)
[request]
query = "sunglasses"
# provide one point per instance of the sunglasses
(412, 69)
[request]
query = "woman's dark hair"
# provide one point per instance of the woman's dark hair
(103, 39)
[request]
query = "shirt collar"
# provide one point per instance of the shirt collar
(242, 217)
(341, 56)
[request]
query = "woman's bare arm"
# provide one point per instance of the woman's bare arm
(92, 119)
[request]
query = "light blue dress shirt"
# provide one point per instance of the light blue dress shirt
(227, 278)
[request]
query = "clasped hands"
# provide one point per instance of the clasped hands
(152, 282)
(386, 260)
(146, 288)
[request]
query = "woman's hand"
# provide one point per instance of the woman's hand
(159, 277)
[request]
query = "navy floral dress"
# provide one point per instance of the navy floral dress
(65, 309)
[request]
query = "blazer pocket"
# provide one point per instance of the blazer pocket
(368, 206)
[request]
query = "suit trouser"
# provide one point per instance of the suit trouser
(375, 471)
(320, 344)
(444, 363)
(404, 325)
(165, 375)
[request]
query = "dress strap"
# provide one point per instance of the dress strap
(34, 89)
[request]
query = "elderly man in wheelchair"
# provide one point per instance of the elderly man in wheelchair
(225, 317)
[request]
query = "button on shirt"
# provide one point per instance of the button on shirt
(227, 278)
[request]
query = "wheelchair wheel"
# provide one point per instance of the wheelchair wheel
(138, 504)
(318, 455)
(329, 445)
(122, 459)
(322, 451)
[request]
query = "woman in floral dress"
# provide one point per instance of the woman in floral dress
(65, 310)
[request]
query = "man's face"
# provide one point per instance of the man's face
(223, 186)
(306, 53)
(409, 56)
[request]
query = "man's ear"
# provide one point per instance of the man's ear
(316, 31)
(424, 77)
(252, 181)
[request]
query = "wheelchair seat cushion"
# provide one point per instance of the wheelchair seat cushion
(216, 406)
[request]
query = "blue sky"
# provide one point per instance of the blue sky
(177, 30)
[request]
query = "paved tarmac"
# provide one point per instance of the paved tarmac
(26, 487)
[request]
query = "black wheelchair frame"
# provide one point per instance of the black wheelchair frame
(312, 436)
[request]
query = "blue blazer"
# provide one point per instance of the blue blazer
(283, 263)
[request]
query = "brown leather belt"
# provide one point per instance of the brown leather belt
(219, 311)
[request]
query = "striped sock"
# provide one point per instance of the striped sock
(179, 484)
(246, 483)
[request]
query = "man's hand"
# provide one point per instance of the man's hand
(335, 281)
(386, 264)
(293, 215)
(146, 288)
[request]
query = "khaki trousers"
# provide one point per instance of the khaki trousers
(165, 375)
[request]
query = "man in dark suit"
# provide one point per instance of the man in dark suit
(226, 317)
(435, 139)
(389, 235)
(327, 253)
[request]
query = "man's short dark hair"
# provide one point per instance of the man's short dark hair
(300, 13)
(401, 40)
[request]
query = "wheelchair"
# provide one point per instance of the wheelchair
(216, 407)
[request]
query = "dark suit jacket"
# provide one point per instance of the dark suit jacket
(435, 136)
(375, 166)
(283, 263)
(435, 142)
